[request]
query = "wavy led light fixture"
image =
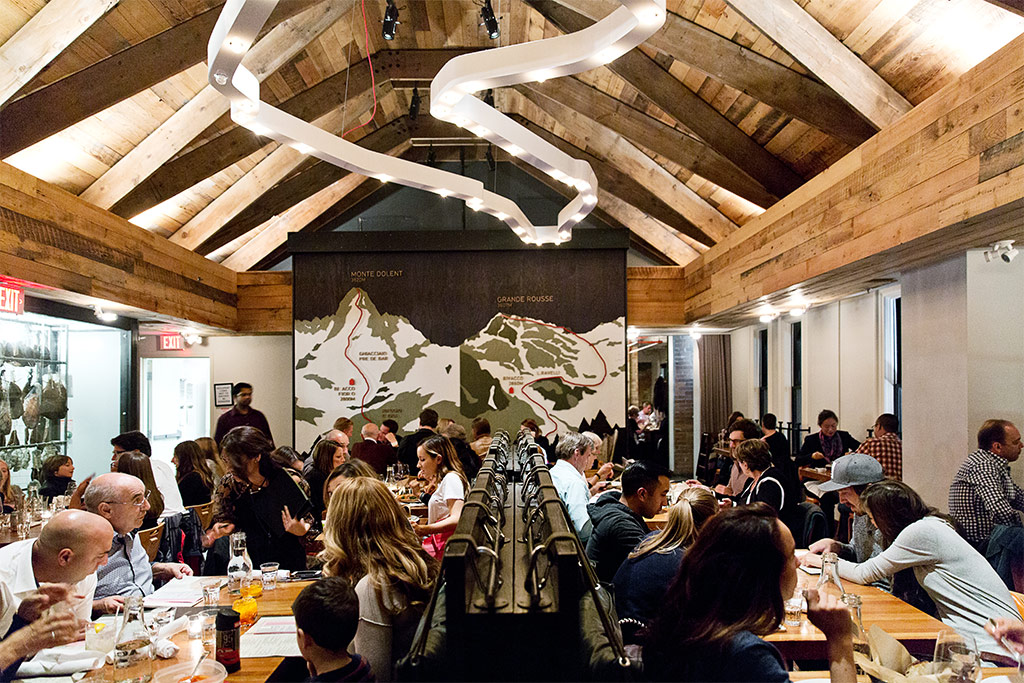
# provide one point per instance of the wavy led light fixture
(451, 99)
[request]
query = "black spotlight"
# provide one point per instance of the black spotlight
(491, 163)
(489, 98)
(431, 156)
(490, 22)
(414, 105)
(390, 21)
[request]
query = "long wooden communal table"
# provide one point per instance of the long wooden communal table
(7, 536)
(909, 625)
(277, 602)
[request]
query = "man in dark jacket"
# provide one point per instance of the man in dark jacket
(619, 521)
(407, 449)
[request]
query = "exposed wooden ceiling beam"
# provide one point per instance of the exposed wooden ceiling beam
(625, 187)
(811, 44)
(1015, 6)
(42, 38)
(292, 220)
(681, 103)
(749, 72)
(237, 143)
(272, 52)
(661, 237)
(355, 203)
(654, 135)
(622, 154)
(318, 176)
(637, 241)
(53, 107)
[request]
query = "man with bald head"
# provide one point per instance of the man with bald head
(70, 548)
(121, 500)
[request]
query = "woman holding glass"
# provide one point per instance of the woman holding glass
(962, 584)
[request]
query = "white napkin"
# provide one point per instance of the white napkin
(61, 661)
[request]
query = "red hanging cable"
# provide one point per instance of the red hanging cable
(373, 81)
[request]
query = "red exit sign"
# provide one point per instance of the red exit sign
(12, 300)
(172, 342)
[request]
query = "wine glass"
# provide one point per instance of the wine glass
(959, 654)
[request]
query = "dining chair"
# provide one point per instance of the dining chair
(150, 539)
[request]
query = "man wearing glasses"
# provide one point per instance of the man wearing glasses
(122, 500)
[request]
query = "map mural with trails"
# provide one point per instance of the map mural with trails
(502, 350)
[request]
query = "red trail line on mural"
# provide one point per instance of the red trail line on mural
(604, 366)
(362, 402)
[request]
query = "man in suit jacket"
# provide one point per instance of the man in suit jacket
(375, 453)
(407, 449)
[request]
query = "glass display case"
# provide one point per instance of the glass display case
(33, 392)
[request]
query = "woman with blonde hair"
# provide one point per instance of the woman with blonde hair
(642, 580)
(441, 468)
(368, 540)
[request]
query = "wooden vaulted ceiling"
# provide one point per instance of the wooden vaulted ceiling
(733, 105)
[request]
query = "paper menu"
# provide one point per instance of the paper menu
(183, 592)
(271, 637)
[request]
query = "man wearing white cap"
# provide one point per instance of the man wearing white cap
(851, 474)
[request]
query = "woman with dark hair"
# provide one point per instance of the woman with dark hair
(138, 465)
(827, 444)
(730, 590)
(766, 483)
(212, 454)
(55, 476)
(964, 587)
(326, 456)
(195, 480)
(642, 580)
(258, 497)
(350, 469)
(11, 496)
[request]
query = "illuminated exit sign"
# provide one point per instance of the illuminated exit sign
(172, 342)
(12, 300)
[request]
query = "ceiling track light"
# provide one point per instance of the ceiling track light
(1003, 250)
(489, 21)
(452, 99)
(390, 21)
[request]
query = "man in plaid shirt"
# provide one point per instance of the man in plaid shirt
(885, 446)
(984, 500)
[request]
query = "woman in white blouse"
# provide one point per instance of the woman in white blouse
(440, 467)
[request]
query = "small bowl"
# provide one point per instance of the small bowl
(213, 670)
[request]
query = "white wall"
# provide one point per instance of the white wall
(995, 341)
(263, 361)
(842, 364)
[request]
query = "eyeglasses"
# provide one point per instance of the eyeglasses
(139, 504)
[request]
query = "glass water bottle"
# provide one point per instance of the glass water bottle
(860, 637)
(829, 581)
(133, 661)
(239, 568)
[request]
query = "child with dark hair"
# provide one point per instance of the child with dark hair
(326, 617)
